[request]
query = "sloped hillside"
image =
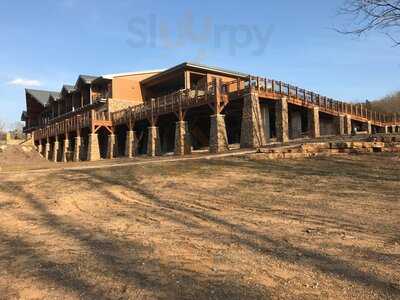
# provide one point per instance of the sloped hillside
(390, 103)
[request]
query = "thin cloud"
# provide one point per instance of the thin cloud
(25, 82)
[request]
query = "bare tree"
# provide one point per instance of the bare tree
(17, 130)
(2, 129)
(369, 15)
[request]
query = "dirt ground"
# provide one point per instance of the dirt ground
(232, 228)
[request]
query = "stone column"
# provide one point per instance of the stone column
(252, 132)
(341, 125)
(183, 143)
(218, 137)
(77, 149)
(130, 145)
(153, 141)
(64, 150)
(93, 151)
(40, 147)
(281, 120)
(347, 125)
(368, 127)
(47, 149)
(111, 146)
(55, 149)
(313, 122)
(393, 128)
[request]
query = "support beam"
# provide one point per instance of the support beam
(131, 144)
(93, 151)
(153, 141)
(218, 136)
(183, 143)
(252, 132)
(77, 149)
(111, 146)
(313, 122)
(281, 119)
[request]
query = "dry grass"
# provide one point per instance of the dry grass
(237, 228)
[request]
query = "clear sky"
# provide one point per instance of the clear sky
(45, 43)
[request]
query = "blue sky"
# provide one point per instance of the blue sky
(46, 43)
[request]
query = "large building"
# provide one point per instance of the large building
(182, 109)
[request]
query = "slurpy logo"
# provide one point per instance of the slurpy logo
(154, 32)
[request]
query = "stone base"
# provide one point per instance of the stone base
(252, 131)
(93, 151)
(153, 142)
(218, 137)
(347, 125)
(54, 154)
(64, 151)
(131, 144)
(46, 150)
(282, 124)
(77, 149)
(183, 142)
(313, 122)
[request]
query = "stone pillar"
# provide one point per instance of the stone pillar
(64, 151)
(393, 128)
(341, 125)
(77, 149)
(218, 137)
(347, 125)
(93, 151)
(368, 127)
(153, 141)
(281, 119)
(183, 143)
(111, 146)
(313, 122)
(54, 155)
(252, 132)
(40, 147)
(131, 144)
(47, 149)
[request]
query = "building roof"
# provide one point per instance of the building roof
(42, 96)
(198, 66)
(87, 79)
(68, 88)
(111, 76)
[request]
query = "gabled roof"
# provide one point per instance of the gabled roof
(24, 115)
(200, 67)
(87, 79)
(42, 96)
(68, 88)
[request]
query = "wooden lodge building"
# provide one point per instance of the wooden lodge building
(183, 109)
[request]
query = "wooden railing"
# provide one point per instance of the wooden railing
(279, 88)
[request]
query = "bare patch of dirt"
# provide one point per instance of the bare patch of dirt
(233, 228)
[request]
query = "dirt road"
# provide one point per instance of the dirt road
(229, 228)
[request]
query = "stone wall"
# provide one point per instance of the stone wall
(115, 105)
